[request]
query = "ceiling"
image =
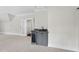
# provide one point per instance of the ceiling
(6, 12)
(19, 9)
(16, 9)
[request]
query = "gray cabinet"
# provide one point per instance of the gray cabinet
(41, 38)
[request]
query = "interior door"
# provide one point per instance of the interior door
(29, 26)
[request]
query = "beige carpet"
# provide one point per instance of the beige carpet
(12, 43)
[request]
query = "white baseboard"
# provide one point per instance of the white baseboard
(75, 50)
(9, 33)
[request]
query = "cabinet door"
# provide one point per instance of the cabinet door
(42, 38)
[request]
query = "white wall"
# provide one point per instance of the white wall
(76, 18)
(41, 19)
(16, 25)
(61, 26)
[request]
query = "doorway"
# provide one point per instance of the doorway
(30, 26)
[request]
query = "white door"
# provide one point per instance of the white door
(29, 26)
